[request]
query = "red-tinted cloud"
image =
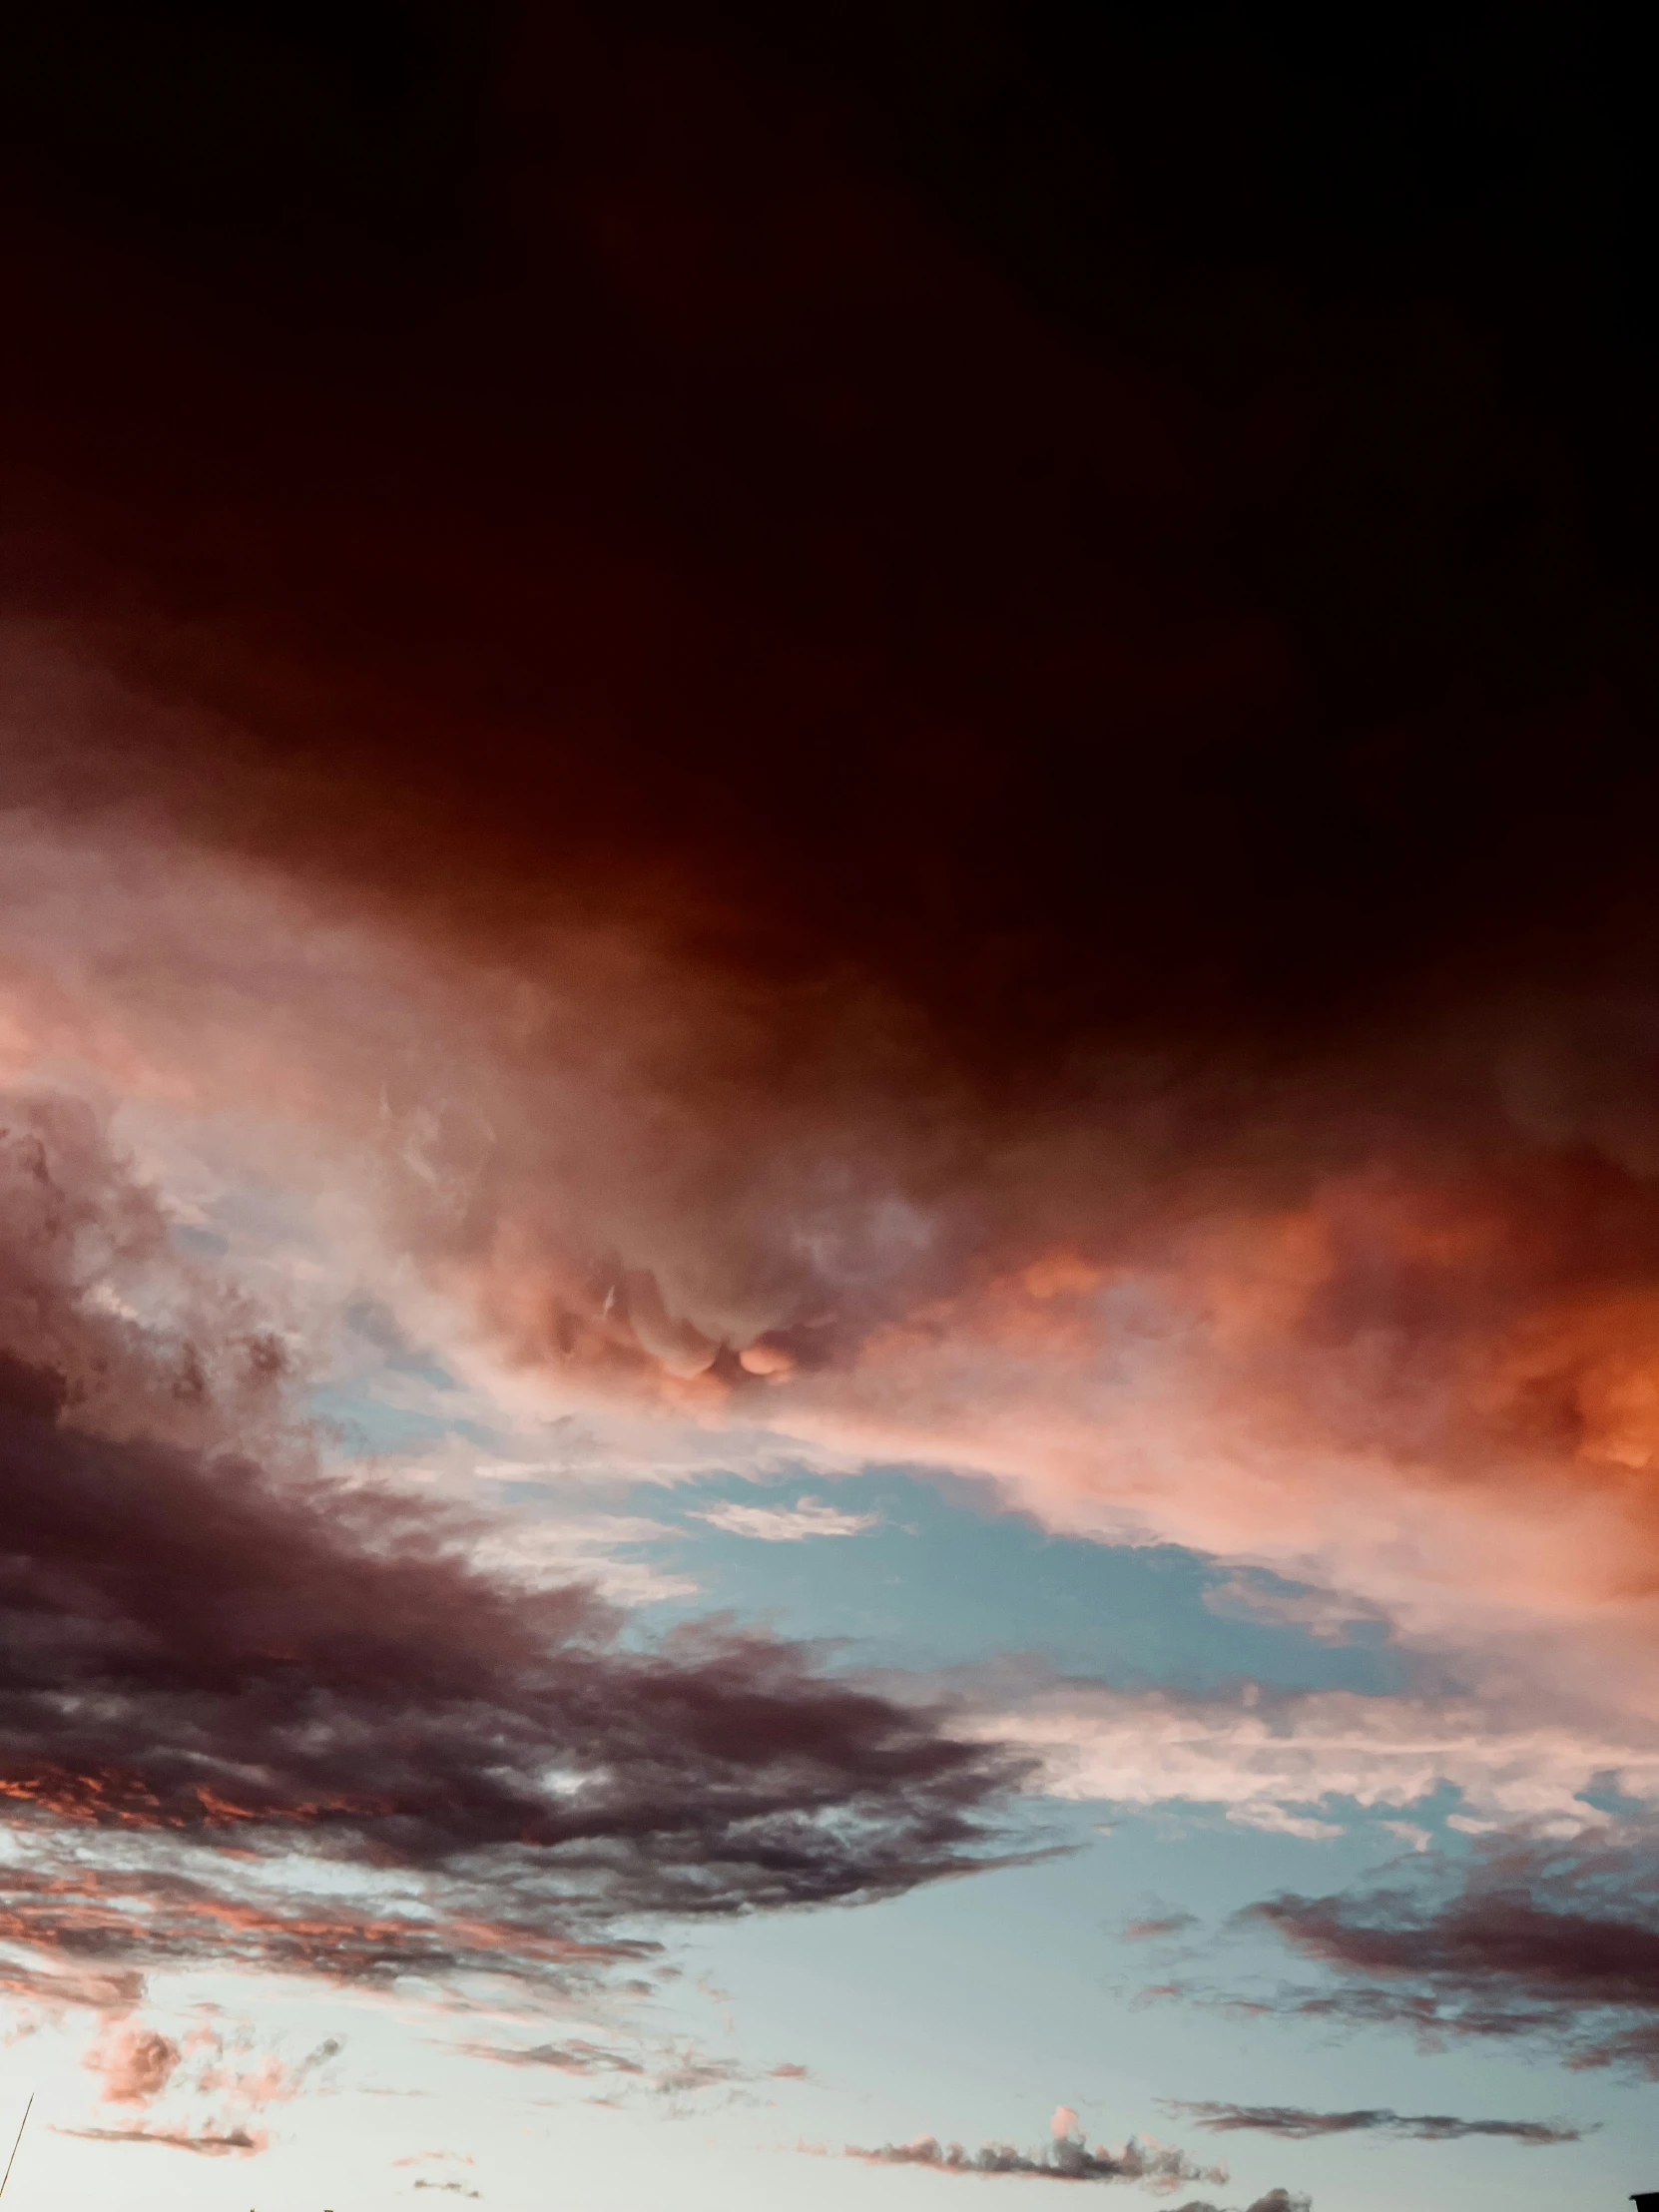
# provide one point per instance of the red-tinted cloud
(137, 2063)
(974, 836)
(212, 1666)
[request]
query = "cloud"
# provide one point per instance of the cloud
(290, 1670)
(786, 1524)
(671, 2071)
(1067, 2158)
(240, 2142)
(1227, 1120)
(1157, 1927)
(1296, 2124)
(577, 2057)
(1552, 1940)
(135, 2062)
(1098, 1152)
(1293, 1762)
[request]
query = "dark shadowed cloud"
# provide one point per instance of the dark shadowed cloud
(575, 2057)
(634, 499)
(1528, 1939)
(1067, 2158)
(1297, 2124)
(261, 1664)
(238, 2142)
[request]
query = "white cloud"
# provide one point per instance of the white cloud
(590, 1548)
(786, 1524)
(1282, 1762)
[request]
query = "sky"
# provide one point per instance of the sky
(829, 1151)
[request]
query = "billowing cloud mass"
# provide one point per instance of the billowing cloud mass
(867, 763)
(218, 1672)
(985, 917)
(136, 2063)
(1296, 2124)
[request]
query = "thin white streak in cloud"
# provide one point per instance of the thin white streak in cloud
(786, 1524)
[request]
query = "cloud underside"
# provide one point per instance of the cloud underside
(217, 1675)
(239, 2143)
(1067, 2158)
(699, 781)
(879, 929)
(1296, 2124)
(1159, 2167)
(1550, 1941)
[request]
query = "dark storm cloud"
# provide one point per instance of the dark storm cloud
(590, 461)
(1140, 701)
(555, 469)
(1532, 1940)
(1296, 2124)
(198, 1651)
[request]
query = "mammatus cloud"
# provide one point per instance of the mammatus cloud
(1067, 2157)
(1531, 1939)
(1296, 2124)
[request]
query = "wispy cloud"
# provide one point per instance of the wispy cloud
(786, 1524)
(1295, 1761)
(1553, 1940)
(1157, 1927)
(575, 2057)
(671, 2071)
(1297, 2124)
(1067, 2157)
(240, 2142)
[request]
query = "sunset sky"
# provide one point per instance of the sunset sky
(828, 1104)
